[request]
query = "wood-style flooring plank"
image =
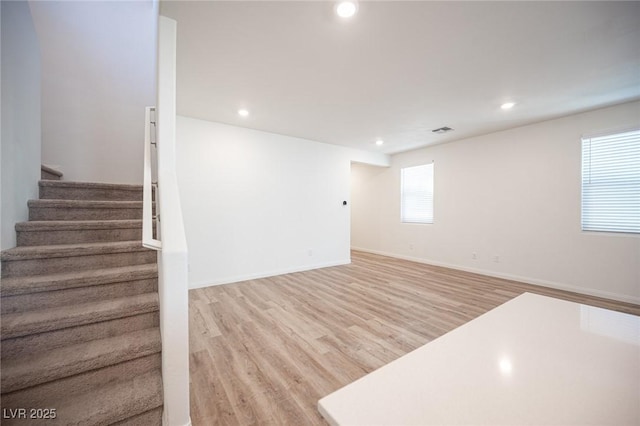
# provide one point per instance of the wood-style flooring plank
(263, 352)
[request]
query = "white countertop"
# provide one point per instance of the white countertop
(534, 360)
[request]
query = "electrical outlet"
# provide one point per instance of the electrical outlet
(411, 247)
(496, 258)
(474, 255)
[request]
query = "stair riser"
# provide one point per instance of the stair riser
(44, 342)
(18, 326)
(150, 418)
(76, 213)
(15, 268)
(47, 394)
(57, 298)
(36, 238)
(14, 382)
(27, 285)
(71, 193)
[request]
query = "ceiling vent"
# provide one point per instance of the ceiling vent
(444, 129)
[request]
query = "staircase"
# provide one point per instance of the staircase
(79, 311)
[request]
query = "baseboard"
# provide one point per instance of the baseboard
(272, 273)
(522, 279)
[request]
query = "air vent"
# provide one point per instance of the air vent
(444, 129)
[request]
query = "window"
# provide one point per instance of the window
(611, 183)
(416, 192)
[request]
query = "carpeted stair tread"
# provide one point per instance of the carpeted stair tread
(116, 403)
(39, 283)
(44, 342)
(71, 360)
(66, 190)
(65, 225)
(31, 322)
(83, 209)
(89, 185)
(56, 232)
(56, 259)
(85, 204)
(48, 394)
(69, 250)
(69, 209)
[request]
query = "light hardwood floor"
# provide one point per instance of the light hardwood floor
(265, 351)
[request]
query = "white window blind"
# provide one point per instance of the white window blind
(611, 183)
(416, 189)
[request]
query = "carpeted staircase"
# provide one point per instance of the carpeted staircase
(79, 310)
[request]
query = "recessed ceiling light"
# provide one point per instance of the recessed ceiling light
(243, 112)
(379, 142)
(507, 105)
(505, 366)
(346, 9)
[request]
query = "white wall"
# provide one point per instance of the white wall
(513, 194)
(99, 65)
(258, 204)
(20, 150)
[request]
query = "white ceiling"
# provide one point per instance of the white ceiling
(397, 70)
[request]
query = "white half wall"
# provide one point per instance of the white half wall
(173, 289)
(257, 204)
(98, 74)
(20, 147)
(514, 194)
